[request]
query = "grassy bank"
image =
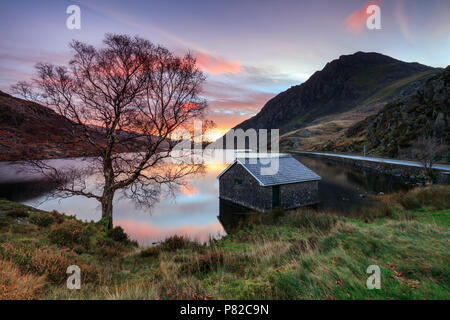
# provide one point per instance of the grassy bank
(301, 255)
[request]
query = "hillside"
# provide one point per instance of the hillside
(29, 130)
(390, 131)
(301, 255)
(345, 91)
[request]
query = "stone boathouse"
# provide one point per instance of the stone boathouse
(246, 183)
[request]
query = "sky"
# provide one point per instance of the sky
(250, 50)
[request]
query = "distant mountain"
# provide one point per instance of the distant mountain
(29, 130)
(360, 82)
(391, 131)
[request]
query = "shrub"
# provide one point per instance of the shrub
(109, 252)
(174, 243)
(117, 234)
(47, 262)
(437, 197)
(408, 201)
(16, 286)
(23, 228)
(69, 233)
(18, 212)
(19, 254)
(43, 219)
(106, 242)
(150, 252)
(53, 264)
(58, 217)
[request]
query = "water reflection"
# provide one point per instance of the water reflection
(343, 189)
(196, 211)
(232, 216)
(192, 212)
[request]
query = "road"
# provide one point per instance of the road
(444, 167)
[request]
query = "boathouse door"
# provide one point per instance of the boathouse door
(275, 196)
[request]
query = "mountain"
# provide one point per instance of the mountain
(30, 130)
(346, 90)
(391, 131)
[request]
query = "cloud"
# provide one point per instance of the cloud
(216, 65)
(17, 63)
(233, 98)
(34, 57)
(402, 20)
(356, 21)
(229, 104)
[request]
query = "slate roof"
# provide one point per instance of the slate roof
(290, 170)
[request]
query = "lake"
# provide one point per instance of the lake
(195, 210)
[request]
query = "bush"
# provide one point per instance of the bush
(150, 252)
(437, 197)
(117, 234)
(43, 219)
(58, 217)
(174, 243)
(53, 264)
(18, 212)
(47, 262)
(408, 201)
(18, 254)
(16, 286)
(109, 252)
(69, 233)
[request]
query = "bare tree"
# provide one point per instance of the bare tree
(129, 95)
(25, 90)
(427, 150)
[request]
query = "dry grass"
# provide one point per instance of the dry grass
(299, 255)
(436, 197)
(17, 286)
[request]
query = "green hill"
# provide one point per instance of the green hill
(392, 129)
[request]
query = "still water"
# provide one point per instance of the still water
(195, 211)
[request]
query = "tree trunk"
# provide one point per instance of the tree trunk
(107, 208)
(108, 191)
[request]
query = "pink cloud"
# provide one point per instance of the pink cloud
(216, 65)
(229, 105)
(356, 21)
